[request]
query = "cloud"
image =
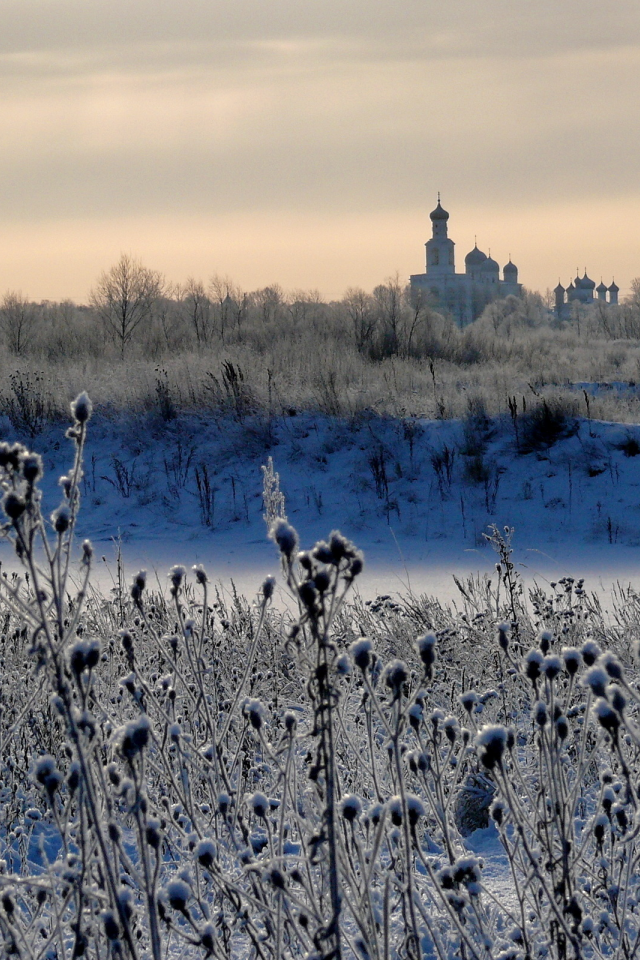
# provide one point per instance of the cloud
(296, 111)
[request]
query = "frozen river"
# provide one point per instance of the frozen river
(387, 569)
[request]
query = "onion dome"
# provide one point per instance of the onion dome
(491, 265)
(587, 283)
(510, 269)
(614, 288)
(439, 213)
(558, 289)
(475, 257)
(601, 288)
(570, 288)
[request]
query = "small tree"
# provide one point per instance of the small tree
(197, 309)
(125, 297)
(360, 309)
(18, 321)
(389, 305)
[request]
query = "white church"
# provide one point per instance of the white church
(462, 295)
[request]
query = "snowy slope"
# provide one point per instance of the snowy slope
(416, 496)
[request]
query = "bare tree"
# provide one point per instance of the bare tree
(360, 308)
(125, 297)
(269, 302)
(305, 306)
(196, 307)
(18, 321)
(226, 299)
(388, 297)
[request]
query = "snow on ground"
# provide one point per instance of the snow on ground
(416, 496)
(496, 873)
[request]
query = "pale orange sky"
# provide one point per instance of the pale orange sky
(304, 143)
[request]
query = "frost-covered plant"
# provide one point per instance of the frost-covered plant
(184, 775)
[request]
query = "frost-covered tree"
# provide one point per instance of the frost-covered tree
(125, 297)
(196, 308)
(18, 321)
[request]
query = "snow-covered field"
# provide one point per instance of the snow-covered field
(416, 496)
(181, 778)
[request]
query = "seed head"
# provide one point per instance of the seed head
(47, 773)
(350, 807)
(138, 585)
(134, 737)
(13, 505)
(31, 467)
(616, 697)
(254, 710)
(343, 665)
(606, 716)
(491, 742)
(268, 587)
(571, 657)
(415, 808)
(61, 519)
(533, 662)
(551, 666)
(111, 928)
(503, 636)
(200, 574)
(498, 811)
(259, 804)
(81, 408)
(205, 852)
(285, 536)
(427, 650)
(395, 674)
(597, 679)
(468, 700)
(178, 893)
(540, 714)
(544, 640)
(394, 806)
(177, 574)
(612, 665)
(361, 652)
(590, 652)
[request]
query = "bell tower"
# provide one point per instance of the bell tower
(440, 249)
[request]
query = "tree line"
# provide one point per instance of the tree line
(133, 311)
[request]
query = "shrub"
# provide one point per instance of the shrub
(630, 446)
(545, 424)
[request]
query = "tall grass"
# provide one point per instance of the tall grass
(269, 353)
(184, 775)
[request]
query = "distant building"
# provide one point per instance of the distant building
(462, 295)
(581, 291)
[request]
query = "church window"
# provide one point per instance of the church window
(435, 258)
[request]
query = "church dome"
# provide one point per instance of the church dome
(614, 288)
(510, 269)
(558, 289)
(475, 257)
(490, 264)
(601, 288)
(587, 283)
(439, 213)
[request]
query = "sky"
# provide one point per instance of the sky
(304, 143)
